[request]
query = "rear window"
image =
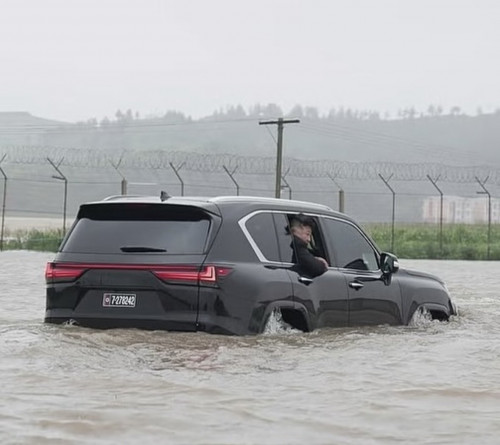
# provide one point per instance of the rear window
(135, 227)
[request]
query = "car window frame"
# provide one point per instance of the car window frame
(287, 213)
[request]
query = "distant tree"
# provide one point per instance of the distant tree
(272, 109)
(256, 110)
(455, 111)
(311, 113)
(411, 113)
(92, 122)
(296, 111)
(174, 116)
(332, 114)
(105, 122)
(235, 112)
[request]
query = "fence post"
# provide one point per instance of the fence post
(176, 171)
(3, 202)
(61, 177)
(486, 192)
(341, 193)
(232, 178)
(123, 188)
(287, 186)
(434, 183)
(386, 182)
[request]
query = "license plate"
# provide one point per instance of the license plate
(119, 300)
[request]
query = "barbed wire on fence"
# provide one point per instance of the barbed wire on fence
(261, 165)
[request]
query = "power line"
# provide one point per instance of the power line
(115, 125)
(357, 135)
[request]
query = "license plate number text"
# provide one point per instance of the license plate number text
(119, 300)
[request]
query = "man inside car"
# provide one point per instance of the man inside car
(306, 262)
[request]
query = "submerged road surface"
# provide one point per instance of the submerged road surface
(431, 383)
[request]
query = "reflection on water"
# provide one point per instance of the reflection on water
(426, 383)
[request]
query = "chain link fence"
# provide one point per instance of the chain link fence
(46, 185)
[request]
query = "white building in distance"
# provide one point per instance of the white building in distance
(460, 210)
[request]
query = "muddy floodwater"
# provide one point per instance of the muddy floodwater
(430, 383)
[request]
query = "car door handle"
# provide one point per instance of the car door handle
(356, 285)
(305, 280)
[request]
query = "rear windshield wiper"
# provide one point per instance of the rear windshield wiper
(141, 249)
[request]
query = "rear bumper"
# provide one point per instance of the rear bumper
(65, 316)
(211, 325)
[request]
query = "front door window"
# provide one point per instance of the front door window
(350, 248)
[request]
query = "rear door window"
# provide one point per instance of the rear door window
(134, 227)
(261, 229)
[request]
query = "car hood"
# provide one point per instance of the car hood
(417, 273)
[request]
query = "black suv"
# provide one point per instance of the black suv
(223, 265)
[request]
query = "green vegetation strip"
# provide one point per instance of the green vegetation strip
(425, 241)
(40, 240)
(418, 241)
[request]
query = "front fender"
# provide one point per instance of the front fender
(439, 310)
(420, 289)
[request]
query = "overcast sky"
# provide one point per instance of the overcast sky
(76, 59)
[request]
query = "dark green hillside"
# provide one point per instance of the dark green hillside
(450, 139)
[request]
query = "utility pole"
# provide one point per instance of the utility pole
(279, 156)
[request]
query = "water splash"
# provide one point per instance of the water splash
(276, 325)
(421, 317)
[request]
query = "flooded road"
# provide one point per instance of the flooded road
(432, 383)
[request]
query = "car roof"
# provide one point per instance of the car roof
(211, 203)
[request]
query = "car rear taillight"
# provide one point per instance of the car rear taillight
(63, 271)
(185, 274)
(207, 275)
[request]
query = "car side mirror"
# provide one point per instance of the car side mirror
(389, 263)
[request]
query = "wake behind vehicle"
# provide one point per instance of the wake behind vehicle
(223, 265)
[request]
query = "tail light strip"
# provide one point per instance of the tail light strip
(208, 274)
